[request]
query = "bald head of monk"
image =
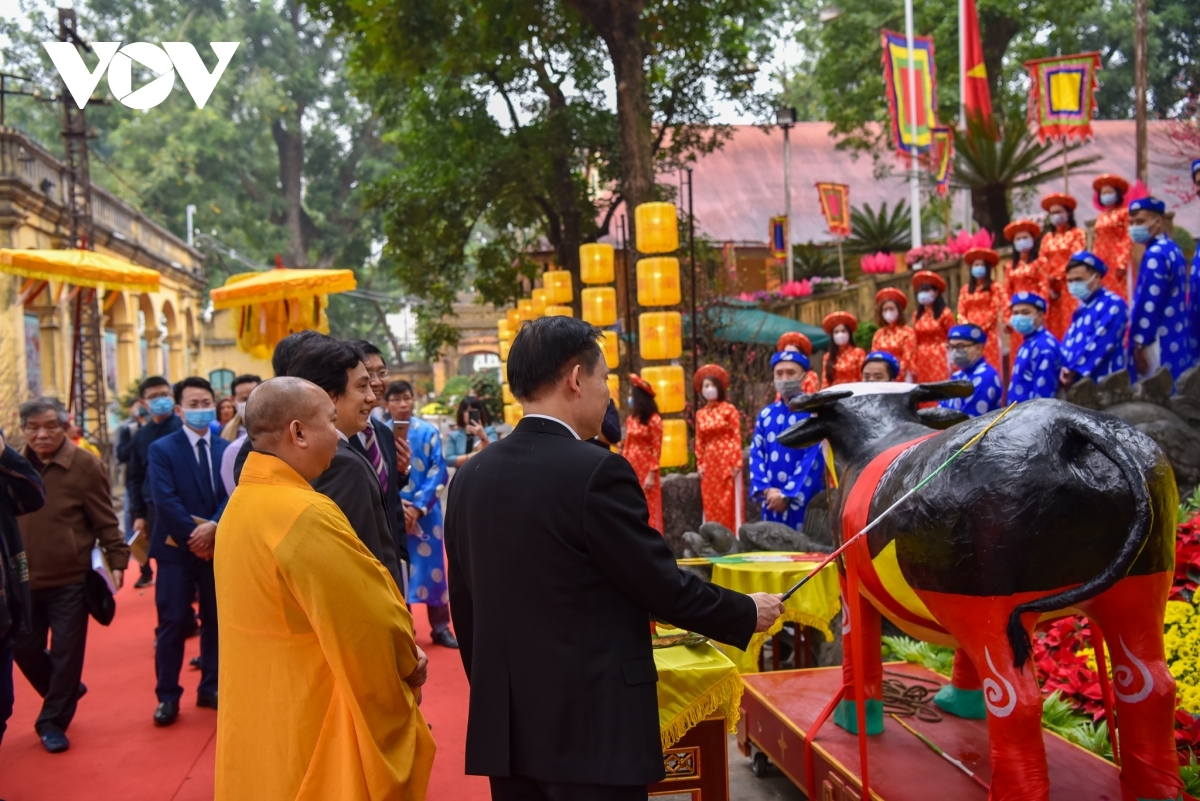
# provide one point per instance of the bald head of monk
(293, 419)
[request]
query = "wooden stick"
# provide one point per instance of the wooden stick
(933, 747)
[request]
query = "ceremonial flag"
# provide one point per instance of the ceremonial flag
(895, 78)
(779, 237)
(835, 205)
(976, 94)
(1062, 95)
(941, 157)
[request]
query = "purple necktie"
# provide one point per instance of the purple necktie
(376, 458)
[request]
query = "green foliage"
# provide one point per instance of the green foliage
(812, 260)
(1061, 717)
(1190, 773)
(937, 658)
(486, 384)
(454, 391)
(865, 333)
(872, 232)
(1188, 506)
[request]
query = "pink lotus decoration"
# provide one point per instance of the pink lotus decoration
(929, 254)
(879, 263)
(796, 289)
(963, 241)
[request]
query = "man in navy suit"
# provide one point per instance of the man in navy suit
(189, 496)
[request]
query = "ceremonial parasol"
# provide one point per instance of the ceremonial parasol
(79, 268)
(275, 303)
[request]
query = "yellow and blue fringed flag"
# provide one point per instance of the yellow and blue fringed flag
(1062, 95)
(910, 141)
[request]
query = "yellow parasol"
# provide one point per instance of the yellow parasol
(275, 303)
(79, 268)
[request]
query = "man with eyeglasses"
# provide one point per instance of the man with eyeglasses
(59, 539)
(388, 455)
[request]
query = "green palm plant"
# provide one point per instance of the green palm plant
(872, 232)
(811, 260)
(993, 168)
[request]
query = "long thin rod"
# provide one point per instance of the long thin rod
(933, 747)
(914, 175)
(692, 258)
(902, 499)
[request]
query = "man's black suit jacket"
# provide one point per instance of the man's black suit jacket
(350, 482)
(554, 574)
(395, 511)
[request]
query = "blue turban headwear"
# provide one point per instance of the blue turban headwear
(790, 356)
(969, 332)
(884, 356)
(1148, 204)
(1032, 298)
(1089, 259)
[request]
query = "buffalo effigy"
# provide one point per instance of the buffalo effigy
(1056, 510)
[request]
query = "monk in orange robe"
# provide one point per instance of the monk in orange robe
(320, 677)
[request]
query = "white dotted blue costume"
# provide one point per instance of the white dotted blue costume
(797, 473)
(1160, 302)
(427, 579)
(1039, 359)
(985, 379)
(1095, 343)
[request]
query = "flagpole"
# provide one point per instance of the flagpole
(914, 178)
(962, 102)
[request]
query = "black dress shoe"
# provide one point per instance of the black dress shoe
(146, 579)
(166, 713)
(82, 691)
(445, 639)
(54, 740)
(209, 701)
(194, 663)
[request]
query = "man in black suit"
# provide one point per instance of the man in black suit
(350, 482)
(554, 576)
(379, 445)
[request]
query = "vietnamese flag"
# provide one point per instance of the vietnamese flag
(976, 96)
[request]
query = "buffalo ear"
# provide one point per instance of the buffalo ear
(805, 434)
(942, 390)
(940, 417)
(807, 403)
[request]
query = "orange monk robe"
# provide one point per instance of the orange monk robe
(315, 642)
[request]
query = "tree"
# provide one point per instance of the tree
(277, 160)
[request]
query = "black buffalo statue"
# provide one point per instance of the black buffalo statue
(1056, 510)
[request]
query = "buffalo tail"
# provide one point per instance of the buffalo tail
(1139, 533)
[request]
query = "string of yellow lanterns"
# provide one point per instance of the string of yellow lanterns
(598, 304)
(660, 332)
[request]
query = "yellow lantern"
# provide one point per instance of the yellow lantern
(668, 387)
(505, 346)
(614, 388)
(674, 444)
(557, 284)
(658, 281)
(514, 319)
(538, 297)
(525, 307)
(559, 311)
(660, 335)
(505, 329)
(508, 396)
(513, 413)
(612, 349)
(596, 263)
(657, 228)
(600, 305)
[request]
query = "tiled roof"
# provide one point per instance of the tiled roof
(740, 187)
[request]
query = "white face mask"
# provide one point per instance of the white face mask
(710, 393)
(1023, 244)
(1058, 219)
(1108, 198)
(241, 410)
(841, 339)
(890, 315)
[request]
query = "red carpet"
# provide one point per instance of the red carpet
(117, 752)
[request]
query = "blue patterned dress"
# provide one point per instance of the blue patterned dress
(1035, 371)
(798, 474)
(1194, 303)
(986, 396)
(1160, 306)
(427, 573)
(1095, 342)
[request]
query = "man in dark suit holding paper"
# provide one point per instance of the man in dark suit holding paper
(554, 575)
(189, 496)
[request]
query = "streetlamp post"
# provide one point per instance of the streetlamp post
(786, 118)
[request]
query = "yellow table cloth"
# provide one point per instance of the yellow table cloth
(694, 682)
(815, 604)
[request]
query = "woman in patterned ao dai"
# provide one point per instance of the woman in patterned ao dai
(932, 321)
(1062, 238)
(981, 301)
(1112, 244)
(643, 444)
(1026, 271)
(718, 448)
(894, 336)
(844, 360)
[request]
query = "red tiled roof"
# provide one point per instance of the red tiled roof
(740, 187)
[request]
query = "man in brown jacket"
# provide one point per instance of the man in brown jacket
(58, 543)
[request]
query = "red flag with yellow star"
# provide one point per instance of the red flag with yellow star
(977, 96)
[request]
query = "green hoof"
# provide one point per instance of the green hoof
(961, 703)
(846, 716)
